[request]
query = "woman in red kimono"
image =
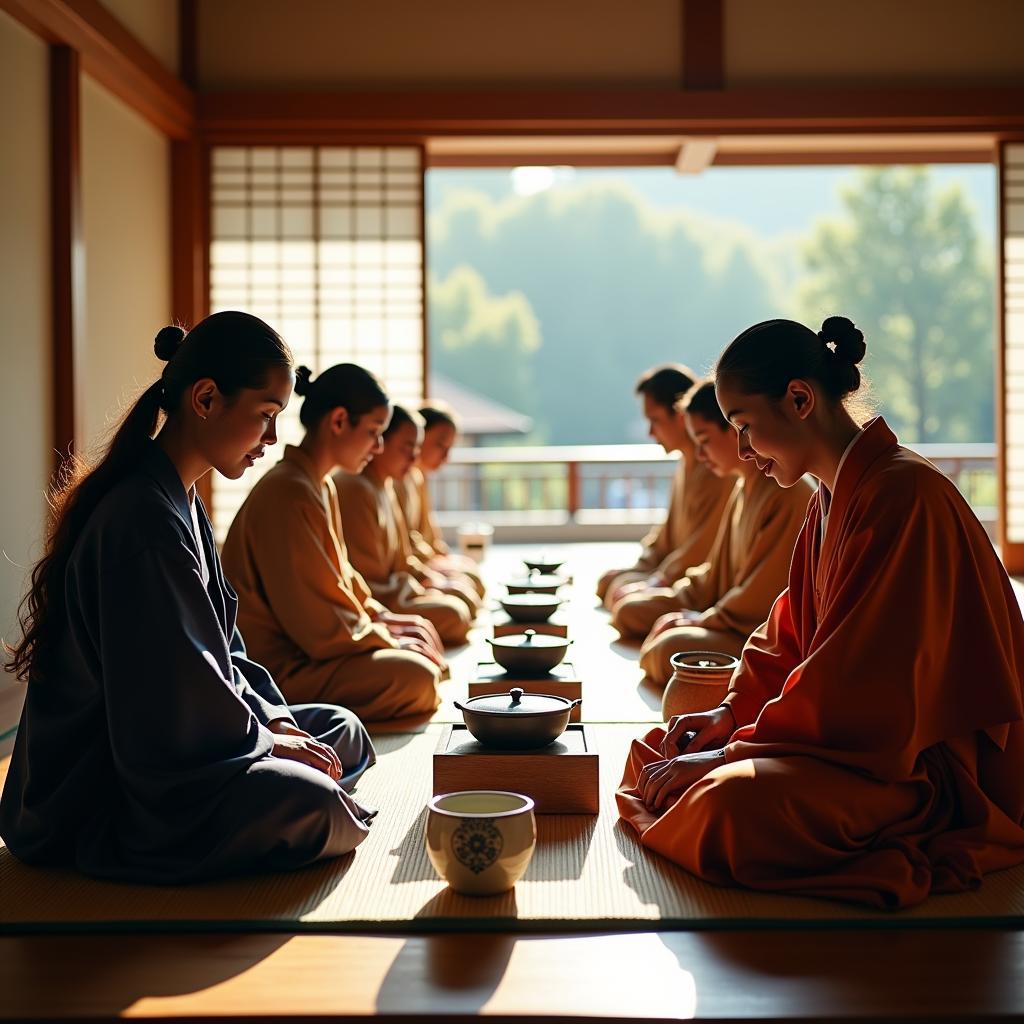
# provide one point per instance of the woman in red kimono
(871, 745)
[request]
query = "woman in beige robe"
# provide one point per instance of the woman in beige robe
(304, 611)
(696, 502)
(440, 430)
(376, 537)
(717, 605)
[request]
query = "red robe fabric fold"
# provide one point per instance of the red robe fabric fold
(879, 749)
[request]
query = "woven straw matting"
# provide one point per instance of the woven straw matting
(588, 873)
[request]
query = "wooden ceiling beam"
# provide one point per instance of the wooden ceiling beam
(278, 118)
(114, 57)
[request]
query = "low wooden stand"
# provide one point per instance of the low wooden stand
(561, 681)
(562, 778)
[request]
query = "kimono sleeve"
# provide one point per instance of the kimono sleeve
(771, 653)
(706, 509)
(367, 544)
(173, 712)
(254, 684)
(763, 576)
(696, 589)
(308, 597)
(916, 637)
(430, 530)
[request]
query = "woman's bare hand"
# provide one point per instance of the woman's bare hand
(418, 646)
(670, 620)
(413, 625)
(661, 782)
(296, 745)
(707, 730)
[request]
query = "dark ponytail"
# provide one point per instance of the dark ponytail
(766, 357)
(236, 351)
(344, 385)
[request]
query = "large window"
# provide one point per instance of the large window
(325, 244)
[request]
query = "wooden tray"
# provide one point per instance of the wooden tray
(562, 778)
(561, 681)
(504, 626)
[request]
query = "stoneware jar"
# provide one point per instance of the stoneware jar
(700, 681)
(481, 841)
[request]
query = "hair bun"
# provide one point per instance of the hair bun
(168, 341)
(303, 380)
(849, 342)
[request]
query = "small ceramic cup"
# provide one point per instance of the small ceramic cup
(474, 538)
(481, 841)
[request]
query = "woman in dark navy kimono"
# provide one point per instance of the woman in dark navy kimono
(150, 748)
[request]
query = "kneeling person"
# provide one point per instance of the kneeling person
(377, 540)
(717, 605)
(304, 610)
(696, 502)
(440, 431)
(871, 746)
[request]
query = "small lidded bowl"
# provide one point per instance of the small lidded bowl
(699, 682)
(517, 720)
(535, 583)
(543, 563)
(481, 841)
(529, 653)
(530, 607)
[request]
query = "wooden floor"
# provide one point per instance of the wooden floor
(950, 975)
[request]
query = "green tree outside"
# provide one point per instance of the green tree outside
(555, 303)
(615, 287)
(905, 263)
(485, 342)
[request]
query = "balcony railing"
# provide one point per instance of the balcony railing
(622, 486)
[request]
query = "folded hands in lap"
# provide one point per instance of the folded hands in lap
(692, 747)
(661, 782)
(294, 744)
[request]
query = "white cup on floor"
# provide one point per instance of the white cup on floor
(481, 841)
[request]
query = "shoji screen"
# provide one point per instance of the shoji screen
(1012, 382)
(326, 245)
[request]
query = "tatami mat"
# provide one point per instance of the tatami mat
(588, 873)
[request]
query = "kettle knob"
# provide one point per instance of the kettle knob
(516, 693)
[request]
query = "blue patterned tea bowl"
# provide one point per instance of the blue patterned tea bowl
(481, 841)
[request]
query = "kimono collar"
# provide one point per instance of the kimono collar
(875, 440)
(157, 465)
(297, 457)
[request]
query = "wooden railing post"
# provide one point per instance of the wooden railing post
(572, 487)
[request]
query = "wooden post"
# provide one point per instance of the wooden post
(67, 244)
(703, 29)
(190, 211)
(1009, 349)
(572, 481)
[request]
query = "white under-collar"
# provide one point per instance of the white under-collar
(825, 492)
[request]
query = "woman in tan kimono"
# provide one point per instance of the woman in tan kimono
(377, 540)
(304, 610)
(696, 502)
(440, 430)
(717, 605)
